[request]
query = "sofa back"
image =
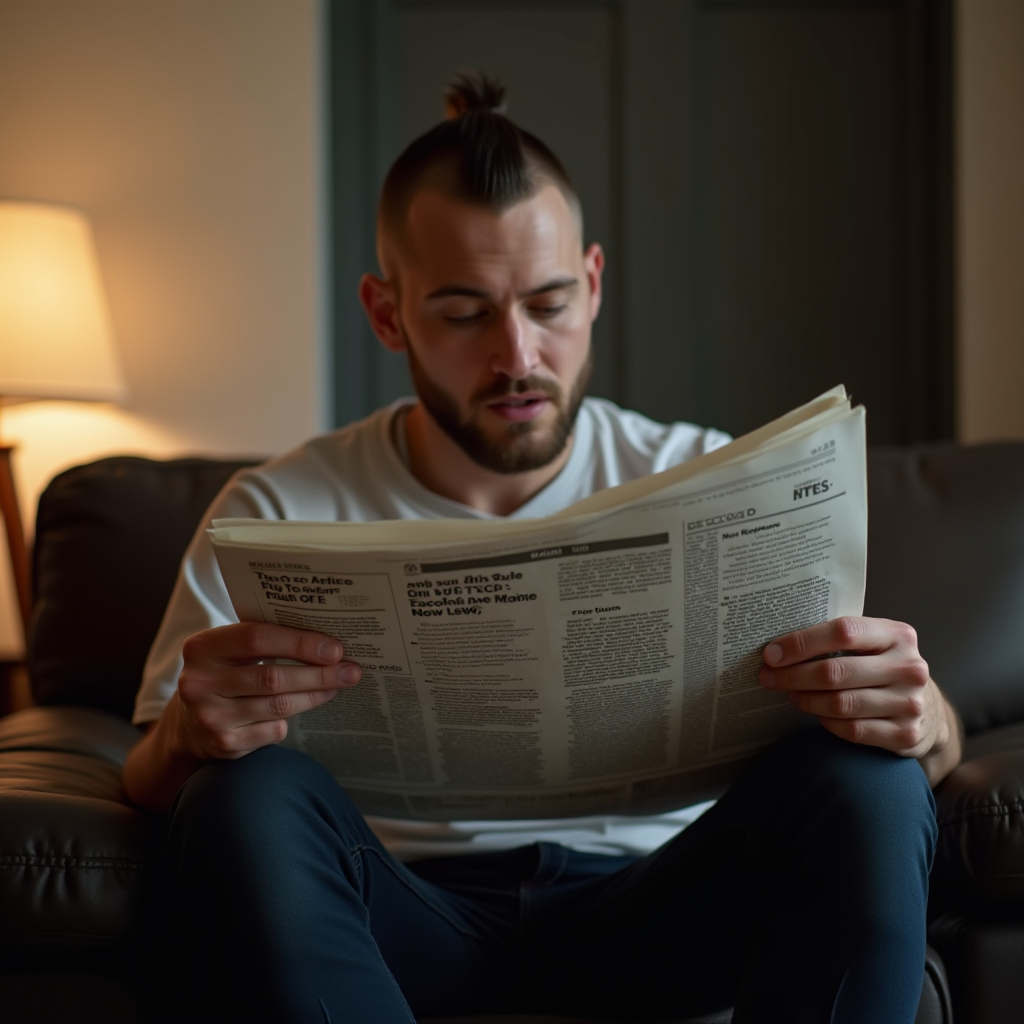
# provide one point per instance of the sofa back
(109, 537)
(946, 554)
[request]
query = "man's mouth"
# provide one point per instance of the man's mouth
(520, 408)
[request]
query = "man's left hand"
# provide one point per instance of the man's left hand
(865, 680)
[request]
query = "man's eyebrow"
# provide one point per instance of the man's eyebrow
(552, 286)
(458, 289)
(466, 291)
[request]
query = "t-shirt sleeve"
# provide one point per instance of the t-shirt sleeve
(199, 600)
(684, 441)
(714, 439)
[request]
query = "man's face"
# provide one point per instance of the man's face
(495, 314)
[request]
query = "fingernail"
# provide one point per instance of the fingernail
(329, 651)
(348, 673)
(773, 654)
(768, 679)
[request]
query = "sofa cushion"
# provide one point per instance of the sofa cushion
(979, 861)
(935, 1006)
(946, 554)
(983, 958)
(109, 539)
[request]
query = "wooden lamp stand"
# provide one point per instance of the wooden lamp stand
(15, 536)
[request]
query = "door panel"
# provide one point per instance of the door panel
(796, 211)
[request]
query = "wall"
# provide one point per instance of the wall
(990, 218)
(190, 131)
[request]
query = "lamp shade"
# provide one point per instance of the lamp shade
(55, 337)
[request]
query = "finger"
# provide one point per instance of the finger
(229, 728)
(876, 702)
(847, 633)
(839, 673)
(908, 739)
(270, 679)
(232, 743)
(243, 642)
(271, 708)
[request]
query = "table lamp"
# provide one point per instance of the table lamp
(55, 337)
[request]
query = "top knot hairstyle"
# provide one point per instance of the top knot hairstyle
(473, 92)
(477, 155)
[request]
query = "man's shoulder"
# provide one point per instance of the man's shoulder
(625, 433)
(365, 438)
(349, 473)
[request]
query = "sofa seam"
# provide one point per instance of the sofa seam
(986, 811)
(103, 938)
(23, 860)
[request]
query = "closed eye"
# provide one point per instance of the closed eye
(466, 318)
(546, 312)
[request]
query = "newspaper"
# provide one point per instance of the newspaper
(601, 660)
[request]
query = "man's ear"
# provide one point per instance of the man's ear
(380, 301)
(593, 261)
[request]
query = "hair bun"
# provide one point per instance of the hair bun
(474, 92)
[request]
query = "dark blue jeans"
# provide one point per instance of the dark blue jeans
(799, 897)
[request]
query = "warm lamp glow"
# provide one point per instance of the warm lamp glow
(55, 337)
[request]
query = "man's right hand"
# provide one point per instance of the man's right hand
(232, 698)
(235, 696)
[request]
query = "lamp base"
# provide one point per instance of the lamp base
(15, 689)
(11, 512)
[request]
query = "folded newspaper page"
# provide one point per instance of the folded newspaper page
(602, 660)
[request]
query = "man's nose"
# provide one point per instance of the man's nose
(515, 351)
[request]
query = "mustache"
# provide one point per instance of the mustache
(508, 388)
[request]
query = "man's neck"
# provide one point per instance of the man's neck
(444, 468)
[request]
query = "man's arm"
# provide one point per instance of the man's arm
(877, 690)
(233, 698)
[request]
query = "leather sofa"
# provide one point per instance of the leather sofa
(79, 900)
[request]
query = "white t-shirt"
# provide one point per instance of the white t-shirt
(356, 474)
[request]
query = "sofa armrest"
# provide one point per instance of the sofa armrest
(75, 859)
(979, 863)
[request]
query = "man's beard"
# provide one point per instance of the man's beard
(523, 446)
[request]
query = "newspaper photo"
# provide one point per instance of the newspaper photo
(601, 660)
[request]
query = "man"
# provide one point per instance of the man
(800, 896)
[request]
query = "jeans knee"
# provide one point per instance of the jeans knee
(878, 792)
(866, 787)
(247, 794)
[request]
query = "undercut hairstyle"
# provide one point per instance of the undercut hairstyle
(477, 155)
